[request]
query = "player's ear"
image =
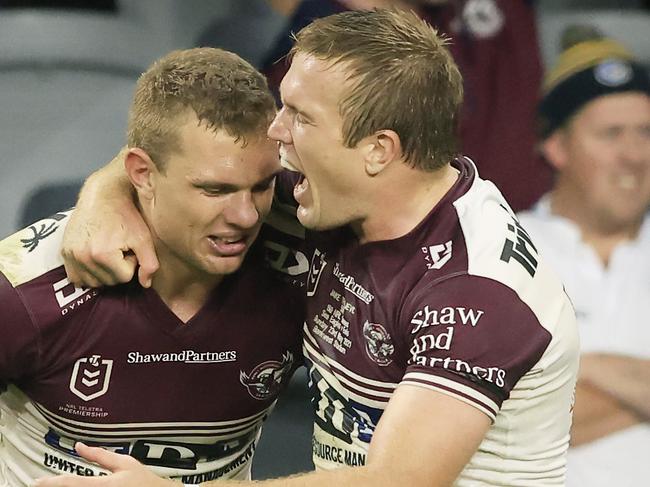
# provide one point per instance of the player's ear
(141, 171)
(554, 149)
(380, 149)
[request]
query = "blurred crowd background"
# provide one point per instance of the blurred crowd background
(67, 69)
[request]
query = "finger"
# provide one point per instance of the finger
(146, 257)
(90, 275)
(117, 269)
(71, 272)
(104, 458)
(82, 269)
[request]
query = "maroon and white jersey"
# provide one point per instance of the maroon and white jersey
(116, 368)
(461, 305)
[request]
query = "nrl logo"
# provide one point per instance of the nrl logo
(90, 377)
(318, 263)
(264, 381)
(378, 343)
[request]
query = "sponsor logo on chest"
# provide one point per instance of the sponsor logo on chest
(70, 297)
(351, 285)
(184, 356)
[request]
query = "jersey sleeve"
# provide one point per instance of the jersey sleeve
(19, 342)
(472, 338)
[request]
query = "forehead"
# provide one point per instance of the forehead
(627, 108)
(315, 82)
(220, 156)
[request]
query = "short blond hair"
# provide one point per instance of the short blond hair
(402, 77)
(224, 91)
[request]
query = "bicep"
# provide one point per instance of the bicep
(426, 437)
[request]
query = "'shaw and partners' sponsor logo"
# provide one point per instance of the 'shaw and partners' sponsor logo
(185, 356)
(448, 315)
(91, 377)
(434, 339)
(265, 379)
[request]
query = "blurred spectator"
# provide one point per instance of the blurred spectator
(495, 45)
(594, 226)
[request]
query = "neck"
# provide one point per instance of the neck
(601, 233)
(182, 287)
(401, 211)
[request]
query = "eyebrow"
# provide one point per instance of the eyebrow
(228, 187)
(295, 109)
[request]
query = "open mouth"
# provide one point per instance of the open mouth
(302, 185)
(287, 165)
(229, 246)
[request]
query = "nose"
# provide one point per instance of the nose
(278, 130)
(241, 211)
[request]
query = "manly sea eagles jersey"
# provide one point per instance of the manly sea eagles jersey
(114, 367)
(462, 305)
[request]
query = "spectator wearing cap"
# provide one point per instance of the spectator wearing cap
(594, 226)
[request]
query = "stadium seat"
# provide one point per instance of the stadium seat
(631, 27)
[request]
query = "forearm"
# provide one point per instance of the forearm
(597, 414)
(108, 183)
(106, 237)
(626, 379)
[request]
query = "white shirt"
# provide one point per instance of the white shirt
(612, 305)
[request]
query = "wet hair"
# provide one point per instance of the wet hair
(401, 77)
(221, 89)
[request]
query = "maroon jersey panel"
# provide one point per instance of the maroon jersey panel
(474, 331)
(115, 367)
(21, 358)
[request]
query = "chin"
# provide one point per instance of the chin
(225, 265)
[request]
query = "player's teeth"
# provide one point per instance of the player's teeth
(287, 165)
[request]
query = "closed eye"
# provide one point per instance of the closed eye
(264, 185)
(216, 190)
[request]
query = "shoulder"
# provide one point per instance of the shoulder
(500, 249)
(34, 250)
(37, 297)
(476, 337)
